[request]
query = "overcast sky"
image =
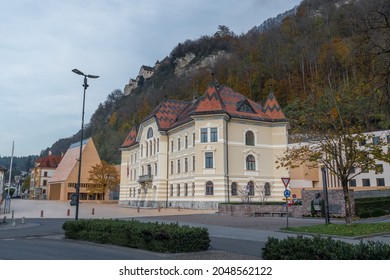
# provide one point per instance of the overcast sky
(41, 41)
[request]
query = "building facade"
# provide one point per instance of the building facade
(42, 172)
(65, 178)
(306, 178)
(220, 147)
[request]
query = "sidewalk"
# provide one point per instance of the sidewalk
(62, 209)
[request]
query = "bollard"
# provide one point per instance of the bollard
(13, 223)
(12, 214)
(138, 210)
(159, 209)
(23, 221)
(68, 212)
(93, 211)
(178, 208)
(4, 219)
(41, 213)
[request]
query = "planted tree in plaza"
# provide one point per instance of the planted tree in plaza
(334, 132)
(104, 177)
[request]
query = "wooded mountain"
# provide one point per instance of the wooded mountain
(321, 45)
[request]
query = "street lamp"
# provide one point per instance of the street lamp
(85, 85)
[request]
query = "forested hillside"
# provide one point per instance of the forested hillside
(322, 46)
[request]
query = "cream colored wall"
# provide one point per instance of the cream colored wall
(270, 143)
(229, 165)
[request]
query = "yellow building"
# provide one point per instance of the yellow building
(218, 148)
(64, 180)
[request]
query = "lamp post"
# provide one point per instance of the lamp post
(85, 85)
(326, 200)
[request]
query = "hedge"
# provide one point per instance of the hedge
(319, 248)
(372, 206)
(163, 238)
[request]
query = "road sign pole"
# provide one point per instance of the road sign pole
(287, 194)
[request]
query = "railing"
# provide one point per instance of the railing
(145, 178)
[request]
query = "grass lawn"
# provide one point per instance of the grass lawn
(343, 229)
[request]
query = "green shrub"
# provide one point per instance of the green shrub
(166, 238)
(318, 248)
(366, 207)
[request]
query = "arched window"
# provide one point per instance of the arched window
(209, 188)
(250, 163)
(249, 138)
(150, 133)
(267, 189)
(150, 147)
(234, 189)
(250, 188)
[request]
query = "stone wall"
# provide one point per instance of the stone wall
(335, 198)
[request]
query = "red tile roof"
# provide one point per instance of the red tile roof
(217, 99)
(50, 161)
(272, 107)
(131, 138)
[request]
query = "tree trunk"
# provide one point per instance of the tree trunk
(347, 200)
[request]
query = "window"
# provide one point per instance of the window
(45, 182)
(267, 189)
(388, 139)
(147, 149)
(213, 134)
(380, 182)
(186, 165)
(149, 169)
(155, 169)
(158, 145)
(142, 171)
(171, 167)
(150, 133)
(234, 189)
(375, 140)
(178, 144)
(209, 188)
(209, 160)
(193, 163)
(366, 182)
(193, 139)
(378, 168)
(185, 189)
(352, 183)
(142, 150)
(45, 174)
(203, 135)
(250, 163)
(172, 146)
(150, 147)
(171, 190)
(250, 188)
(186, 142)
(249, 138)
(178, 166)
(178, 189)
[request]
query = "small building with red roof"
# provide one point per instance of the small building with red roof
(42, 172)
(221, 147)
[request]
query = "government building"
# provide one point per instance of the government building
(220, 147)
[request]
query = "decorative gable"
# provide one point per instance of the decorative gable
(244, 106)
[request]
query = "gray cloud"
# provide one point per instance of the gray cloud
(42, 41)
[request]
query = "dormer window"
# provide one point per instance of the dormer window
(150, 133)
(244, 106)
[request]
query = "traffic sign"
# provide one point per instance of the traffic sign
(285, 181)
(287, 193)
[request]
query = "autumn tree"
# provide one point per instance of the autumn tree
(334, 130)
(104, 177)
